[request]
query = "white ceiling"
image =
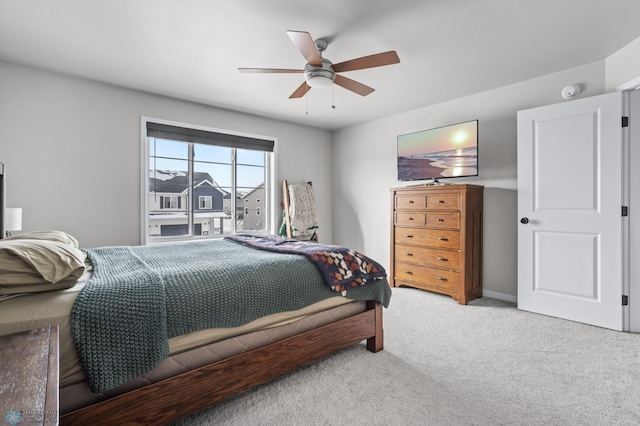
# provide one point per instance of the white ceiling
(192, 49)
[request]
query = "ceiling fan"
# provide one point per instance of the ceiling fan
(321, 72)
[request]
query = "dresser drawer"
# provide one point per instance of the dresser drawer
(411, 218)
(443, 220)
(428, 237)
(411, 202)
(430, 276)
(443, 201)
(449, 220)
(428, 256)
(446, 201)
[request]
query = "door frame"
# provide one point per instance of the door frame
(631, 98)
(626, 184)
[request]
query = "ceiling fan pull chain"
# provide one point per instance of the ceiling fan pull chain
(306, 99)
(333, 94)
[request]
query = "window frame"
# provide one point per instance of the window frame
(270, 182)
(170, 202)
(208, 202)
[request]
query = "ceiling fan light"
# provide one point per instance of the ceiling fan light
(319, 77)
(319, 81)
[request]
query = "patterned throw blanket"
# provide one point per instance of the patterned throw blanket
(139, 297)
(341, 267)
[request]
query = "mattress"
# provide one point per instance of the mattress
(53, 307)
(36, 310)
(48, 308)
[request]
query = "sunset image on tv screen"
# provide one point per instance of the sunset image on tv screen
(450, 151)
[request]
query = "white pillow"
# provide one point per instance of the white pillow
(28, 266)
(52, 235)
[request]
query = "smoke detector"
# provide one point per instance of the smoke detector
(571, 91)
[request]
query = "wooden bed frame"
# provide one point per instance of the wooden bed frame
(186, 393)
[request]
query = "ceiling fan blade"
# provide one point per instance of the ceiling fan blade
(304, 43)
(371, 61)
(300, 91)
(353, 85)
(268, 70)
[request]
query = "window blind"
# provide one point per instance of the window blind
(165, 131)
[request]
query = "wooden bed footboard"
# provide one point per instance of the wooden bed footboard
(194, 390)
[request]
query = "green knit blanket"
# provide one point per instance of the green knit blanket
(139, 297)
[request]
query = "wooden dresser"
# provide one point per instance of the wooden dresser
(436, 239)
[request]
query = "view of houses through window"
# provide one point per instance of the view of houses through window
(197, 189)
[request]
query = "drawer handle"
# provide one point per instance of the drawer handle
(410, 201)
(408, 272)
(441, 201)
(408, 254)
(442, 239)
(442, 279)
(408, 236)
(440, 219)
(410, 218)
(444, 259)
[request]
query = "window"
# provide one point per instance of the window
(169, 202)
(204, 202)
(196, 179)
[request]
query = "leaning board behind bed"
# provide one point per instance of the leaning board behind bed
(169, 398)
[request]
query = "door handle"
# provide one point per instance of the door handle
(524, 220)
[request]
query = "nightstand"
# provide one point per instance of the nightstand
(29, 377)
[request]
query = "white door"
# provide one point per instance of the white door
(569, 205)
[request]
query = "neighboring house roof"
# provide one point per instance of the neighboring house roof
(253, 190)
(176, 182)
(228, 196)
(212, 184)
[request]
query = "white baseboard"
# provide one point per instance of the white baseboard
(500, 296)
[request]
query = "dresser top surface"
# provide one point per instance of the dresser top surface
(440, 187)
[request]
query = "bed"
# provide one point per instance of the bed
(200, 367)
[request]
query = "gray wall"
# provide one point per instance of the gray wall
(623, 66)
(72, 152)
(365, 168)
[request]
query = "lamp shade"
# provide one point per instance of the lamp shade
(13, 219)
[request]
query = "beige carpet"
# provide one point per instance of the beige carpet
(445, 364)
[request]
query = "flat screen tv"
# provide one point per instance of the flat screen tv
(443, 152)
